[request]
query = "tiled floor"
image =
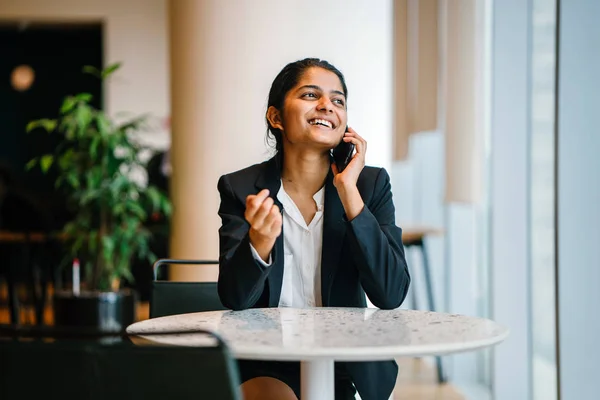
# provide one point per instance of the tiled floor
(416, 378)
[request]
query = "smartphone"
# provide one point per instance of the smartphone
(342, 154)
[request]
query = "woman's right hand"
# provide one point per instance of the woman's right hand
(265, 221)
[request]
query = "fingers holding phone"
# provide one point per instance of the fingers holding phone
(346, 180)
(351, 136)
(356, 162)
(342, 155)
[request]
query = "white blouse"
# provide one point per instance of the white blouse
(302, 248)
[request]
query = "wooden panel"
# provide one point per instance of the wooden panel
(423, 65)
(401, 131)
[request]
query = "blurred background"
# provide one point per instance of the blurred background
(482, 111)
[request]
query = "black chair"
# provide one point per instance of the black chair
(71, 366)
(169, 298)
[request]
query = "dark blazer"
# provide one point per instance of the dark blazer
(364, 255)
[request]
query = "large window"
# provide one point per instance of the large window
(542, 199)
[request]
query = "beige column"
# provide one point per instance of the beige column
(416, 67)
(463, 99)
(193, 231)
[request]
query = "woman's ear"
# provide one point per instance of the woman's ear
(274, 118)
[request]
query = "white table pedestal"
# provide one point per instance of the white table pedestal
(317, 380)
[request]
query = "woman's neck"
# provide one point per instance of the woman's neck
(305, 172)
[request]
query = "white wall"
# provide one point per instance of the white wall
(246, 43)
(135, 33)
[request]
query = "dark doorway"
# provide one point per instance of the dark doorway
(56, 53)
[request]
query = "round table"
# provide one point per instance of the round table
(319, 336)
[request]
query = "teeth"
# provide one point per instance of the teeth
(321, 122)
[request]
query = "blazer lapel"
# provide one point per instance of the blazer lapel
(270, 178)
(334, 230)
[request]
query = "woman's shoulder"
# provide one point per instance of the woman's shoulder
(247, 172)
(243, 179)
(372, 175)
(370, 172)
(372, 179)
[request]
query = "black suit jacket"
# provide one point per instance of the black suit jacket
(364, 255)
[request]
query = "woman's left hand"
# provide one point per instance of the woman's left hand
(349, 176)
(345, 181)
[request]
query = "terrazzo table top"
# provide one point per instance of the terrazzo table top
(342, 334)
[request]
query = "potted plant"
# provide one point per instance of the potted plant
(95, 165)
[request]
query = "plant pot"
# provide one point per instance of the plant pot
(104, 311)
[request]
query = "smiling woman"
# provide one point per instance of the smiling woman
(317, 77)
(340, 242)
(314, 111)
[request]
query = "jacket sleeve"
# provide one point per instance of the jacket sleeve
(378, 250)
(241, 277)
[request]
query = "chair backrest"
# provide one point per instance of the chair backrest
(86, 369)
(169, 298)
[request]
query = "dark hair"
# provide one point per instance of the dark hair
(284, 82)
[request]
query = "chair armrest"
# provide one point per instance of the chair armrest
(163, 261)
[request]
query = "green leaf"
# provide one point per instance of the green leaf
(104, 126)
(84, 97)
(154, 196)
(89, 69)
(94, 177)
(126, 273)
(66, 161)
(118, 209)
(143, 249)
(31, 126)
(133, 124)
(84, 117)
(119, 185)
(113, 164)
(125, 251)
(48, 124)
(136, 209)
(68, 104)
(32, 163)
(151, 257)
(110, 69)
(69, 126)
(88, 196)
(46, 162)
(108, 246)
(94, 146)
(73, 180)
(166, 206)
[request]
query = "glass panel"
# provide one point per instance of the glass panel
(542, 199)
